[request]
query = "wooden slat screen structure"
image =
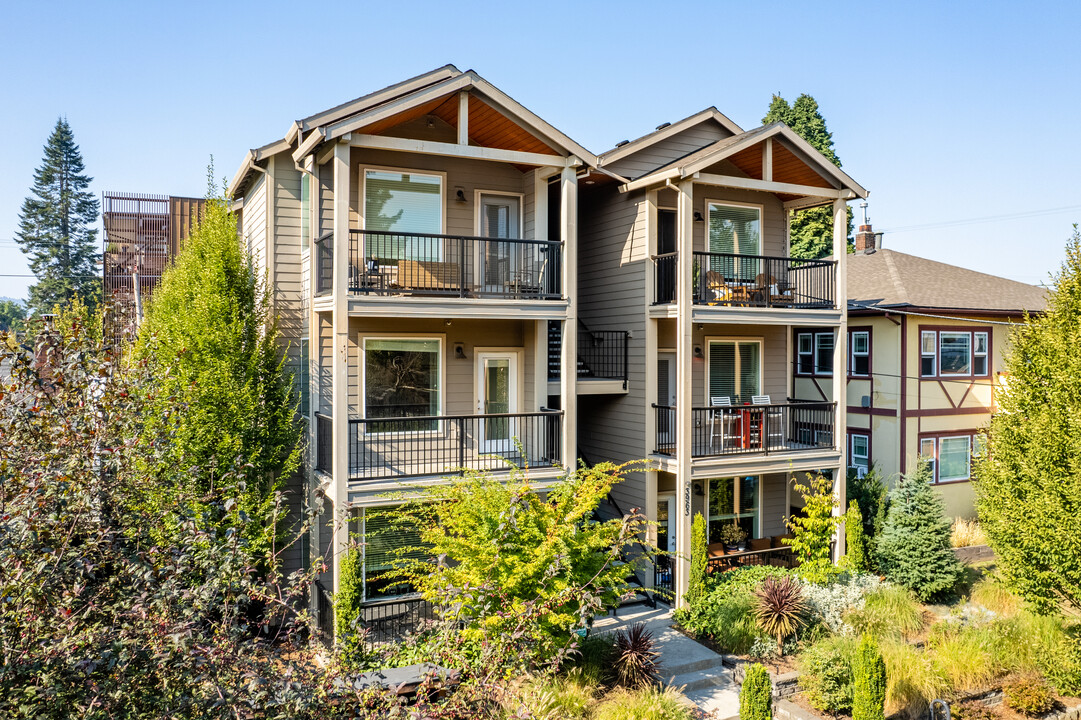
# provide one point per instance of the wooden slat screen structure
(143, 233)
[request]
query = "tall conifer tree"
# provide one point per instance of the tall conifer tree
(812, 229)
(56, 226)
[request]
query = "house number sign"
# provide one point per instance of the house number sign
(686, 498)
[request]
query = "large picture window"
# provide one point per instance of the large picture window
(402, 378)
(735, 369)
(384, 539)
(735, 230)
(733, 500)
(403, 202)
(954, 352)
(950, 457)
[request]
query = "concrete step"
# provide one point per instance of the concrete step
(701, 679)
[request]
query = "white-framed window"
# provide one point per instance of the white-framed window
(979, 354)
(403, 378)
(814, 353)
(860, 362)
(950, 457)
(928, 347)
(859, 451)
(306, 200)
(954, 353)
(383, 541)
(733, 500)
(805, 354)
(734, 369)
(408, 207)
(734, 230)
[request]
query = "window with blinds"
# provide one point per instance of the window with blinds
(398, 202)
(735, 229)
(388, 543)
(735, 369)
(499, 216)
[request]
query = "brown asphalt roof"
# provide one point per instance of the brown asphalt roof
(887, 278)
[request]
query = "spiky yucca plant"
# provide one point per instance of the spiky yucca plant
(635, 661)
(779, 608)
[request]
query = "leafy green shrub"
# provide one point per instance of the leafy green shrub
(856, 557)
(1028, 695)
(635, 659)
(645, 704)
(972, 710)
(593, 657)
(779, 608)
(869, 682)
(813, 531)
(725, 617)
(696, 579)
(914, 547)
(347, 602)
(746, 578)
(889, 611)
(756, 694)
(826, 673)
(522, 571)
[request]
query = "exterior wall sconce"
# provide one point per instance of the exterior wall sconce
(698, 352)
(698, 217)
(459, 194)
(459, 351)
(698, 491)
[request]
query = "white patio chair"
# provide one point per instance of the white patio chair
(718, 413)
(773, 419)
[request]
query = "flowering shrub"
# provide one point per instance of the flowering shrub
(828, 604)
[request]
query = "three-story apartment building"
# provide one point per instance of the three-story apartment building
(684, 244)
(464, 286)
(421, 241)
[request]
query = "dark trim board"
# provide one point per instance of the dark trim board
(880, 412)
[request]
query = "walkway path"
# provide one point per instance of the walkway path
(684, 663)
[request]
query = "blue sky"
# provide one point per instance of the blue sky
(946, 112)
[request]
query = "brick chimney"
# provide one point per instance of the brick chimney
(865, 238)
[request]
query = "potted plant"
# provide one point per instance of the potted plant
(733, 537)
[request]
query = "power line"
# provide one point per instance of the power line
(985, 219)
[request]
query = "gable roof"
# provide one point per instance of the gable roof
(419, 94)
(667, 131)
(890, 279)
(726, 148)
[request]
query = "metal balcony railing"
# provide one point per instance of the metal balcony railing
(745, 429)
(418, 446)
(759, 281)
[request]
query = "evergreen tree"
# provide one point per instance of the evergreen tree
(914, 547)
(869, 682)
(211, 339)
(56, 227)
(756, 694)
(12, 316)
(855, 540)
(1028, 482)
(811, 233)
(696, 580)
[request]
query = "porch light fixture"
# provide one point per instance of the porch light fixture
(459, 351)
(698, 490)
(459, 195)
(698, 352)
(698, 217)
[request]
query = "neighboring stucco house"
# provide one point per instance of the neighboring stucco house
(926, 342)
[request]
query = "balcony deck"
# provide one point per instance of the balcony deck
(438, 446)
(750, 429)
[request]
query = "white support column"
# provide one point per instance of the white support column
(840, 361)
(568, 375)
(684, 396)
(767, 160)
(650, 362)
(339, 489)
(463, 118)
